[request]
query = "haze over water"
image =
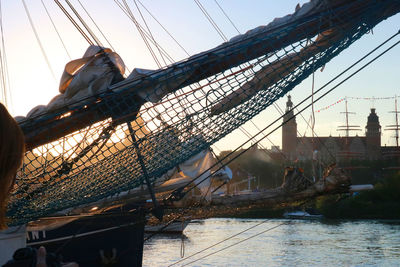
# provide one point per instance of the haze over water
(296, 243)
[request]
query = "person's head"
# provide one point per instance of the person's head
(12, 148)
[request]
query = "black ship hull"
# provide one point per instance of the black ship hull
(111, 239)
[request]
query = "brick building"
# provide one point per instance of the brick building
(366, 147)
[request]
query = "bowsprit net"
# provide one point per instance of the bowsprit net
(90, 149)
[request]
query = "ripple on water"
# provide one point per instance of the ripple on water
(297, 243)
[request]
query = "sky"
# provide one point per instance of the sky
(31, 82)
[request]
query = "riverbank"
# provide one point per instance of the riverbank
(383, 202)
(335, 207)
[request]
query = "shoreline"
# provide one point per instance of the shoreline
(263, 211)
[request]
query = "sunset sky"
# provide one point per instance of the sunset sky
(31, 82)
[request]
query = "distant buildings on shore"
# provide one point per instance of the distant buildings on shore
(342, 148)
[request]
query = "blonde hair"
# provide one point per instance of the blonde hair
(12, 147)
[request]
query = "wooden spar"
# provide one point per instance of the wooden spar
(231, 55)
(278, 195)
(295, 187)
(50, 127)
(273, 196)
(139, 194)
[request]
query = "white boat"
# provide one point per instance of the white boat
(300, 214)
(176, 227)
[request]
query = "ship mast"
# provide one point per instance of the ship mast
(348, 127)
(395, 127)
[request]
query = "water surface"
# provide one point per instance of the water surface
(295, 243)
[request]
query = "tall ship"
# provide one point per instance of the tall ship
(113, 148)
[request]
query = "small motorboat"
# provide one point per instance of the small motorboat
(303, 214)
(175, 227)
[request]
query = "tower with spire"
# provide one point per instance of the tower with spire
(373, 136)
(289, 131)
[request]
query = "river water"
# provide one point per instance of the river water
(281, 243)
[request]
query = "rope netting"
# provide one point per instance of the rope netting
(90, 150)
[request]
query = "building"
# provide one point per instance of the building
(326, 148)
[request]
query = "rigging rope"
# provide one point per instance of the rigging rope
(4, 68)
(161, 50)
(312, 106)
(279, 60)
(84, 23)
(162, 26)
(220, 242)
(300, 103)
(226, 239)
(313, 167)
(247, 133)
(351, 97)
(237, 243)
(280, 151)
(318, 138)
(38, 40)
(182, 242)
(123, 9)
(98, 28)
(210, 19)
(149, 35)
(148, 30)
(71, 19)
(226, 15)
(213, 22)
(280, 111)
(144, 38)
(56, 30)
(95, 24)
(274, 104)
